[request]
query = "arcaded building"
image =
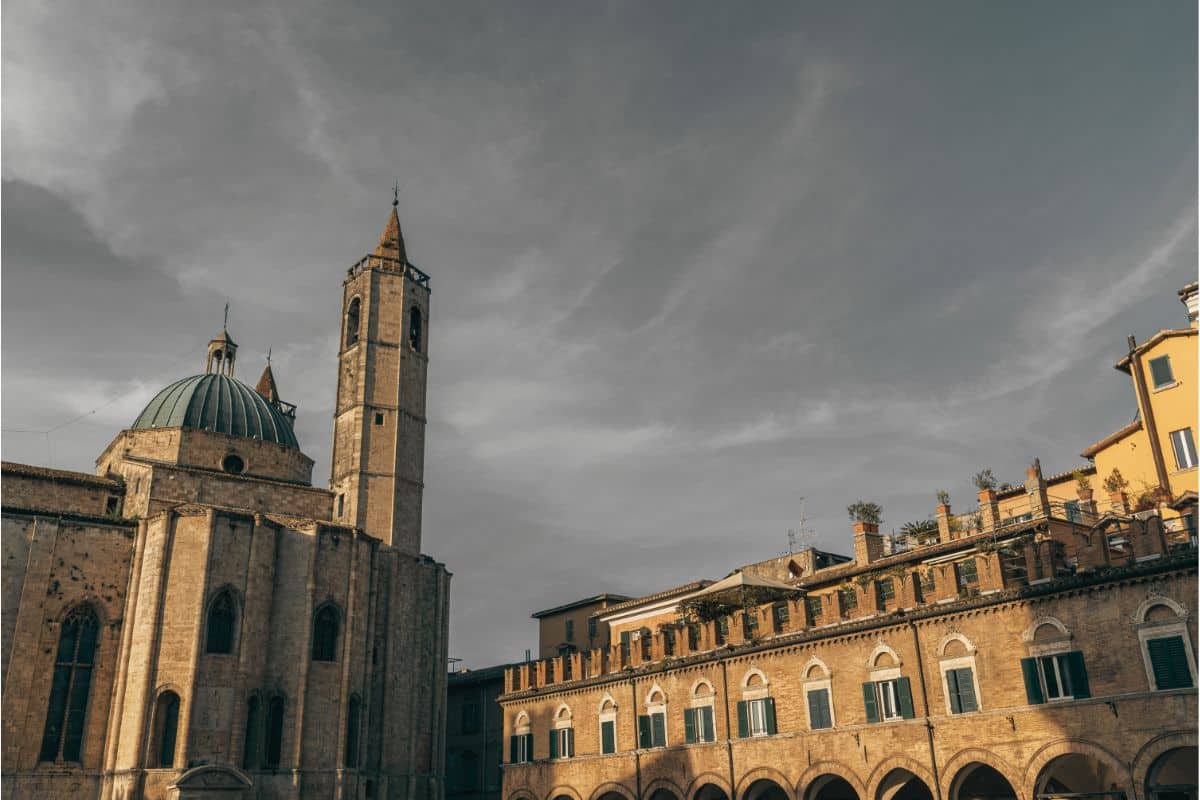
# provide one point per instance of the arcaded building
(197, 619)
(1041, 645)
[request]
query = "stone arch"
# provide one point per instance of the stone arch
(563, 791)
(650, 694)
(956, 637)
(209, 777)
(605, 700)
(665, 785)
(764, 776)
(708, 781)
(813, 778)
(752, 673)
(522, 793)
(1158, 600)
(886, 780)
(883, 649)
(602, 791)
(1037, 767)
(1031, 631)
(521, 721)
(957, 768)
(559, 715)
(812, 662)
(698, 686)
(1150, 752)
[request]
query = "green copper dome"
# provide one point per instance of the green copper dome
(218, 403)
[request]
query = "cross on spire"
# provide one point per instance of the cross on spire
(395, 193)
(225, 325)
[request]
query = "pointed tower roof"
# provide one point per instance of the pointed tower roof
(391, 243)
(266, 386)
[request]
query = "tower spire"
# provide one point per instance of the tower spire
(391, 243)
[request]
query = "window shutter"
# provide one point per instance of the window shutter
(689, 725)
(952, 690)
(1078, 673)
(608, 738)
(1168, 660)
(770, 714)
(529, 747)
(904, 690)
(1033, 686)
(743, 719)
(966, 690)
(658, 729)
(706, 723)
(554, 744)
(818, 709)
(570, 743)
(644, 739)
(870, 703)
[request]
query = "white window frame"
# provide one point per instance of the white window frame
(566, 747)
(708, 701)
(887, 694)
(521, 730)
(1057, 660)
(607, 715)
(1185, 446)
(756, 717)
(659, 707)
(962, 662)
(1156, 387)
(1161, 629)
(814, 686)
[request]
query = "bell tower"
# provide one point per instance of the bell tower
(378, 470)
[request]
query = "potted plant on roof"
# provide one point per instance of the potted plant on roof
(1115, 484)
(1083, 485)
(866, 516)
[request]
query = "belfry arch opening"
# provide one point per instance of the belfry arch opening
(830, 787)
(1172, 776)
(900, 784)
(978, 781)
(353, 320)
(1078, 776)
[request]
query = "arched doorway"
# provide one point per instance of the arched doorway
(1172, 776)
(764, 789)
(900, 784)
(830, 787)
(978, 781)
(710, 792)
(1077, 776)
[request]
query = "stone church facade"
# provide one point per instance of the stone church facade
(198, 620)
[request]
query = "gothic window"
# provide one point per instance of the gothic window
(353, 314)
(325, 633)
(414, 328)
(252, 750)
(222, 616)
(352, 726)
(72, 681)
(274, 749)
(166, 726)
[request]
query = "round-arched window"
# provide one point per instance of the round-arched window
(233, 464)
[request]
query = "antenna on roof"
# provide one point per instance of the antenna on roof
(800, 537)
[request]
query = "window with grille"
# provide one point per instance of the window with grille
(1160, 372)
(62, 737)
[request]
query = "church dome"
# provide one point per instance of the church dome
(218, 403)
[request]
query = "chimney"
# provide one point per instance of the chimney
(868, 544)
(989, 509)
(943, 521)
(1189, 295)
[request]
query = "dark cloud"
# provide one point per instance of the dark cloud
(689, 263)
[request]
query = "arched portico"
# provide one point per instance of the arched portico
(1172, 776)
(902, 784)
(979, 781)
(1080, 776)
(709, 787)
(764, 783)
(829, 786)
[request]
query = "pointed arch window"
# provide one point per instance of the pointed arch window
(274, 749)
(353, 320)
(353, 714)
(325, 633)
(74, 662)
(252, 749)
(166, 729)
(414, 328)
(222, 620)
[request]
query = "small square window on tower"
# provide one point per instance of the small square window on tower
(378, 417)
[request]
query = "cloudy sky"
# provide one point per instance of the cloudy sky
(691, 262)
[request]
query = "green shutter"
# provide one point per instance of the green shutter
(706, 724)
(1079, 677)
(818, 709)
(512, 749)
(689, 725)
(608, 737)
(529, 747)
(870, 703)
(1169, 661)
(904, 690)
(1033, 686)
(743, 719)
(644, 739)
(966, 690)
(952, 690)
(770, 715)
(570, 743)
(658, 729)
(554, 744)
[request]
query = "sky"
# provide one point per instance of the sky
(702, 272)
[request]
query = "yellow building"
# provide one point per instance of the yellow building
(1155, 455)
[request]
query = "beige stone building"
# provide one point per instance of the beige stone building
(198, 620)
(1041, 646)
